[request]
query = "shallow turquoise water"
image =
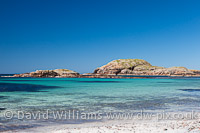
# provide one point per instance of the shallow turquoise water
(99, 95)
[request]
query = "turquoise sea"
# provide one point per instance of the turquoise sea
(93, 95)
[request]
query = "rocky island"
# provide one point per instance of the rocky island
(118, 69)
(142, 67)
(50, 73)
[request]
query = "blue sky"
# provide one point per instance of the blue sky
(83, 35)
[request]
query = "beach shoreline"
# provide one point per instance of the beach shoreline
(128, 126)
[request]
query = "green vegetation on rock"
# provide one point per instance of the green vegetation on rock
(126, 63)
(64, 71)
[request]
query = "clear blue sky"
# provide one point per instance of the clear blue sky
(82, 35)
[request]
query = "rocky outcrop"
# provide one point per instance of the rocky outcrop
(49, 73)
(116, 66)
(142, 67)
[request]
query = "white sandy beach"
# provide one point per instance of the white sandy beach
(168, 126)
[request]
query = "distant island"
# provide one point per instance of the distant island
(118, 69)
